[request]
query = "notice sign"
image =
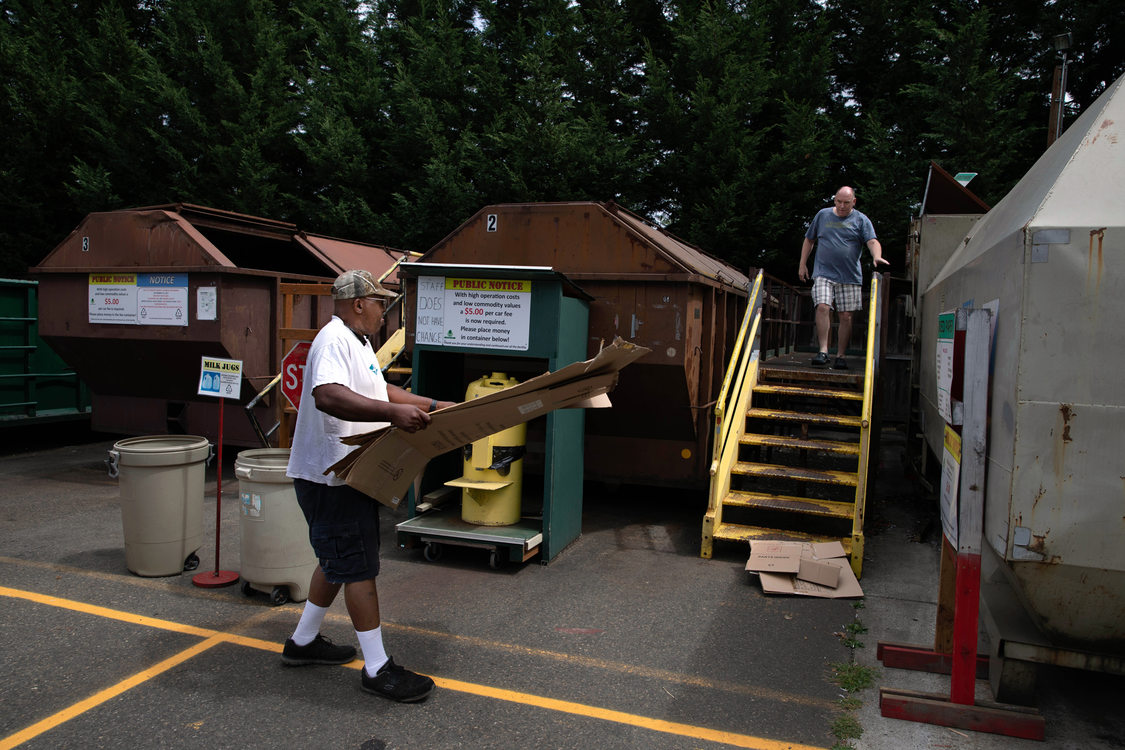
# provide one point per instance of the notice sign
(162, 299)
(947, 324)
(221, 378)
(950, 479)
(113, 298)
(480, 313)
(153, 299)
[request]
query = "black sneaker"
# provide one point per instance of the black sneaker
(397, 683)
(319, 650)
(840, 364)
(820, 360)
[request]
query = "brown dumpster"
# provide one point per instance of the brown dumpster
(133, 300)
(649, 288)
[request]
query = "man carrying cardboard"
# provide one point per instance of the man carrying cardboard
(344, 394)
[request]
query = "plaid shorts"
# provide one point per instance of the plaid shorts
(848, 297)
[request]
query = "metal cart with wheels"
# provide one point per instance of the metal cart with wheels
(518, 542)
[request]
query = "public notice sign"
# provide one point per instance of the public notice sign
(113, 298)
(479, 313)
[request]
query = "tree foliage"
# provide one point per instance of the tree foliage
(728, 121)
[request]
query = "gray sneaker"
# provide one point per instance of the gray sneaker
(318, 651)
(397, 683)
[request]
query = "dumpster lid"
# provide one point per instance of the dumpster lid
(533, 273)
(689, 257)
(187, 237)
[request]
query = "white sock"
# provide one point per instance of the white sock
(309, 626)
(371, 643)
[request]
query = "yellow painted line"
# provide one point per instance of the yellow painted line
(102, 696)
(151, 622)
(112, 614)
(754, 691)
(214, 637)
(620, 717)
(664, 675)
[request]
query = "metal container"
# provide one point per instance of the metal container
(35, 384)
(134, 299)
(1049, 259)
(647, 287)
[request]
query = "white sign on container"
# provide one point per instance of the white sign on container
(479, 313)
(221, 378)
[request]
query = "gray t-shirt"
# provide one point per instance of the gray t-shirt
(839, 244)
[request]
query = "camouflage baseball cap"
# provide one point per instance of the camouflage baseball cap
(356, 284)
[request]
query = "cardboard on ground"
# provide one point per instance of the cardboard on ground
(803, 569)
(387, 461)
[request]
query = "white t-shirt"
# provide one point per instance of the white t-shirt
(336, 356)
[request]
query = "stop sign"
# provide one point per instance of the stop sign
(293, 372)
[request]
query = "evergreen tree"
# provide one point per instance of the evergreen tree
(428, 134)
(71, 119)
(733, 146)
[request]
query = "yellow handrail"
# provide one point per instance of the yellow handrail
(751, 320)
(870, 372)
(730, 411)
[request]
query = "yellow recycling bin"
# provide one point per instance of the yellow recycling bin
(492, 483)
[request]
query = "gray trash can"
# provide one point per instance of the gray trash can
(161, 485)
(276, 557)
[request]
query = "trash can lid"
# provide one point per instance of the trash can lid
(162, 450)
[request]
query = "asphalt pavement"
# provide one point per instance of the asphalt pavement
(628, 639)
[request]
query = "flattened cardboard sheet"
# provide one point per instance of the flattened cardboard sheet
(767, 556)
(387, 461)
(820, 554)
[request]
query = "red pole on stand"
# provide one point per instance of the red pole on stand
(217, 578)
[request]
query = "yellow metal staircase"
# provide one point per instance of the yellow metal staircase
(792, 444)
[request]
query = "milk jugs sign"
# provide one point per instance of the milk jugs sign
(221, 378)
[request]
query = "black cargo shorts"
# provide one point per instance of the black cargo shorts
(343, 530)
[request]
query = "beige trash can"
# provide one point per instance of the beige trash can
(161, 485)
(276, 557)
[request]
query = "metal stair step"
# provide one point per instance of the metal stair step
(804, 505)
(733, 532)
(781, 415)
(837, 447)
(836, 377)
(774, 471)
(796, 390)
